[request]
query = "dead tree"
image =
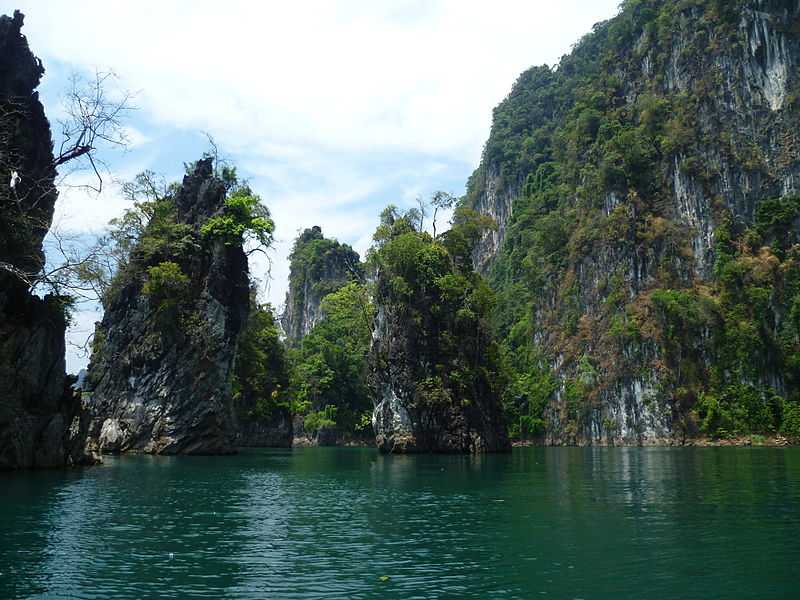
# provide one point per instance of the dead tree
(93, 119)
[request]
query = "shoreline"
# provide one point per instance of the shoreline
(754, 440)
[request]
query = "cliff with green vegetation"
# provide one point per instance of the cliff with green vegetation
(327, 322)
(41, 419)
(330, 390)
(646, 259)
(317, 267)
(436, 370)
(162, 368)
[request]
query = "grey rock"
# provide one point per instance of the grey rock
(318, 267)
(277, 432)
(168, 392)
(400, 359)
(37, 405)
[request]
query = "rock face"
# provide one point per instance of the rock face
(277, 432)
(41, 422)
(611, 178)
(318, 266)
(163, 385)
(403, 423)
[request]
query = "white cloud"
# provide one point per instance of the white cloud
(405, 76)
(133, 137)
(80, 209)
(79, 337)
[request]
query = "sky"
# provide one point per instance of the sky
(331, 109)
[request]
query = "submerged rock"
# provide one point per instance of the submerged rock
(41, 420)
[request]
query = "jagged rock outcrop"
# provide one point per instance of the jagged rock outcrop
(41, 420)
(160, 373)
(620, 181)
(435, 366)
(318, 266)
(404, 419)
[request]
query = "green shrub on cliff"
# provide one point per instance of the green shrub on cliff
(166, 284)
(738, 410)
(244, 219)
(790, 425)
(319, 419)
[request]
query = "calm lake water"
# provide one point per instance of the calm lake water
(329, 523)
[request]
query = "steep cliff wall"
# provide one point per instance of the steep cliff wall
(40, 419)
(318, 266)
(161, 367)
(642, 240)
(418, 408)
(435, 365)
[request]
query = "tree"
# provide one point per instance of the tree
(94, 119)
(434, 347)
(441, 201)
(261, 375)
(245, 221)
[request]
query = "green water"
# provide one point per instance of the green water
(328, 523)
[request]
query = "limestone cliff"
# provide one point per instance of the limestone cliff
(629, 183)
(404, 420)
(318, 266)
(434, 361)
(40, 418)
(161, 368)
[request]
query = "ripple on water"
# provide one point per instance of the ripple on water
(330, 523)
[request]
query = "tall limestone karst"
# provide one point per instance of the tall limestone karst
(647, 196)
(40, 420)
(327, 347)
(435, 365)
(162, 363)
(318, 266)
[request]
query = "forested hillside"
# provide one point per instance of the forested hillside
(646, 259)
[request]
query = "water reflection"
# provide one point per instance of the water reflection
(328, 523)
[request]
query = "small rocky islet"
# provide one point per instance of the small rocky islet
(623, 269)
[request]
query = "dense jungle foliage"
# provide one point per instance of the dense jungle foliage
(261, 375)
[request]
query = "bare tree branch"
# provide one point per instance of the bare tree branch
(93, 119)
